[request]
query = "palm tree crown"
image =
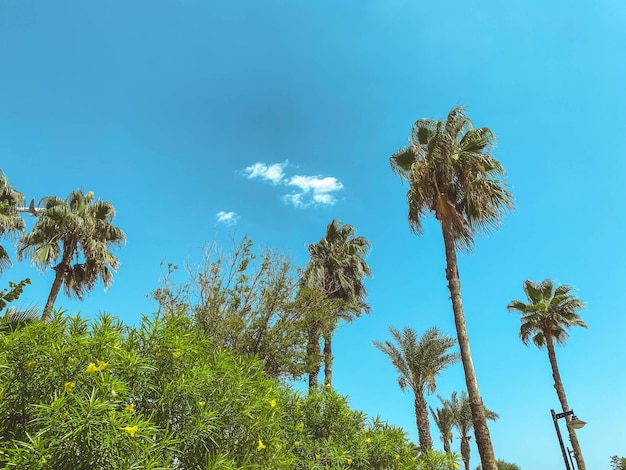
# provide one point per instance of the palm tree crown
(76, 234)
(550, 311)
(419, 361)
(10, 221)
(451, 173)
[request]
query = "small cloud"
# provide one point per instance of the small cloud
(313, 190)
(273, 173)
(228, 218)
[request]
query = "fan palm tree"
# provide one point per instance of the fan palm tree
(459, 408)
(452, 174)
(10, 221)
(547, 316)
(75, 235)
(419, 361)
(337, 268)
(444, 420)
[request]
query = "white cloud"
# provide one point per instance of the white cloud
(305, 190)
(273, 173)
(313, 190)
(228, 218)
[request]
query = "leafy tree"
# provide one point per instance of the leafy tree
(444, 421)
(618, 463)
(99, 394)
(248, 301)
(10, 221)
(547, 316)
(452, 174)
(76, 234)
(337, 268)
(459, 406)
(418, 362)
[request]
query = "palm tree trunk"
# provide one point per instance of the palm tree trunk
(560, 391)
(328, 359)
(54, 292)
(313, 356)
(423, 423)
(465, 451)
(481, 431)
(446, 444)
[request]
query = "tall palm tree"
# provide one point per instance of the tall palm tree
(452, 174)
(547, 316)
(459, 408)
(10, 221)
(444, 420)
(418, 362)
(337, 268)
(75, 235)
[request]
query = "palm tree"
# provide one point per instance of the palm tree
(76, 234)
(418, 362)
(547, 316)
(459, 408)
(452, 174)
(337, 268)
(10, 221)
(444, 420)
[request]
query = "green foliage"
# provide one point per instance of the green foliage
(618, 463)
(248, 302)
(12, 292)
(76, 394)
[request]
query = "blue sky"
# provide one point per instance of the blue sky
(200, 118)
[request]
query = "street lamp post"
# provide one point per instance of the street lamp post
(574, 423)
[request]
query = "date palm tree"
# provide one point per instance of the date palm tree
(10, 221)
(75, 235)
(547, 316)
(419, 361)
(459, 408)
(337, 268)
(444, 421)
(452, 174)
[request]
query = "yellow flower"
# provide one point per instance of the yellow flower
(368, 440)
(300, 426)
(69, 386)
(296, 444)
(102, 365)
(317, 456)
(397, 456)
(131, 430)
(130, 408)
(261, 446)
(91, 368)
(349, 461)
(328, 386)
(201, 403)
(117, 346)
(272, 403)
(456, 465)
(176, 352)
(30, 365)
(113, 393)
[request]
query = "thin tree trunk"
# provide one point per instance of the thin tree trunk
(423, 423)
(466, 451)
(481, 431)
(313, 356)
(446, 444)
(328, 359)
(54, 292)
(560, 391)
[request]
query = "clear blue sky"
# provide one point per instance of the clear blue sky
(165, 108)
